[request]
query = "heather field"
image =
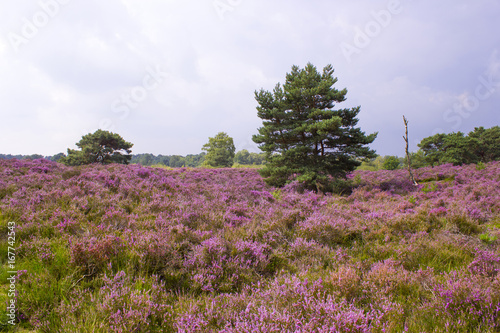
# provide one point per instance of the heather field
(132, 249)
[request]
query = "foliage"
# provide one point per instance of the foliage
(391, 163)
(57, 157)
(384, 163)
(101, 147)
(220, 151)
(173, 161)
(480, 145)
(252, 166)
(418, 160)
(20, 157)
(433, 148)
(114, 248)
(372, 164)
(486, 143)
(244, 157)
(302, 136)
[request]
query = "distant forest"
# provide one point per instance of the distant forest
(243, 157)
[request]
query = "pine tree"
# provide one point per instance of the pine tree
(303, 137)
(101, 147)
(480, 145)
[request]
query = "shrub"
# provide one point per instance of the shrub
(93, 254)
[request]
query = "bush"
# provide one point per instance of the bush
(391, 163)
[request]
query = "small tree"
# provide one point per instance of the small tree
(100, 147)
(391, 163)
(220, 151)
(303, 137)
(242, 157)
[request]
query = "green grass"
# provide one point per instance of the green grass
(247, 166)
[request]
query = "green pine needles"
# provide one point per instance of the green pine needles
(101, 147)
(303, 137)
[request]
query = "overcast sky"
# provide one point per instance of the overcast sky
(168, 74)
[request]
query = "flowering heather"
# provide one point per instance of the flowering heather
(133, 249)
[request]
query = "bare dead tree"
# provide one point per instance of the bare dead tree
(408, 159)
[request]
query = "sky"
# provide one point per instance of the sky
(168, 74)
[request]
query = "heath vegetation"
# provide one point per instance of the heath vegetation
(126, 248)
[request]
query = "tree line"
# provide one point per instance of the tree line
(479, 146)
(54, 158)
(242, 157)
(482, 145)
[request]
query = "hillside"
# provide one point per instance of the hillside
(135, 249)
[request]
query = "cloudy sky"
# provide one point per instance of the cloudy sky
(168, 74)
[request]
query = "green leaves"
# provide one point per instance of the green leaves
(220, 151)
(303, 137)
(481, 145)
(391, 163)
(100, 147)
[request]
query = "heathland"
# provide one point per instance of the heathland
(127, 248)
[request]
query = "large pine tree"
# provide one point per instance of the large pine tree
(302, 136)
